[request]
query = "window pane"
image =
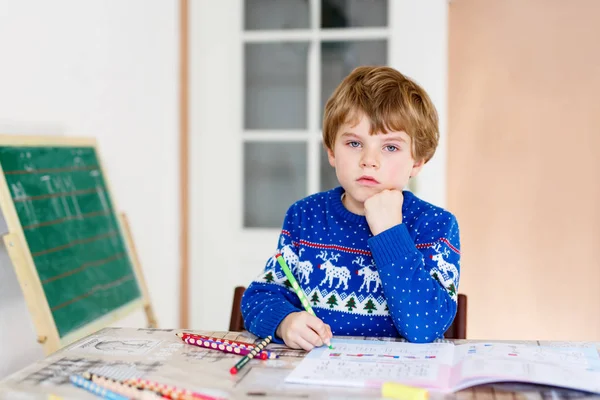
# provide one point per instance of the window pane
(274, 178)
(353, 13)
(275, 85)
(328, 178)
(276, 14)
(338, 59)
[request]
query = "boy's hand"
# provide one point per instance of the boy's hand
(301, 330)
(384, 210)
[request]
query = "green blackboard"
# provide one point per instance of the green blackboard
(71, 232)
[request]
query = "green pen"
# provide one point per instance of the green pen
(296, 287)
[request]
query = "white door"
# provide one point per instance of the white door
(260, 74)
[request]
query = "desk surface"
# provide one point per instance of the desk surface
(157, 354)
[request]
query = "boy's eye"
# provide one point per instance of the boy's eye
(353, 144)
(391, 147)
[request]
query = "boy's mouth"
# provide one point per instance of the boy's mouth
(367, 180)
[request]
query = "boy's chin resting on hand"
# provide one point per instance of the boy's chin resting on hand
(384, 210)
(301, 330)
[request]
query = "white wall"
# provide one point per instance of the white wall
(106, 69)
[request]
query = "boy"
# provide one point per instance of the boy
(373, 260)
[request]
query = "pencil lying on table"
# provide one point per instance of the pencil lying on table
(216, 339)
(240, 364)
(169, 391)
(227, 348)
(92, 387)
(122, 388)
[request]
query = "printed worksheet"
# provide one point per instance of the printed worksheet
(447, 367)
(577, 368)
(368, 363)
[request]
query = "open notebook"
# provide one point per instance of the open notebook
(447, 367)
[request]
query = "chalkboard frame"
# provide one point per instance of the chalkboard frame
(22, 259)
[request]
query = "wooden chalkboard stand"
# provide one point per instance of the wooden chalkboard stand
(42, 319)
(47, 334)
(25, 268)
(138, 270)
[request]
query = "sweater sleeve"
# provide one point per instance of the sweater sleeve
(269, 297)
(420, 281)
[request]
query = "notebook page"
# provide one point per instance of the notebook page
(477, 363)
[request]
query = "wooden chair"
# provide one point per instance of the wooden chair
(458, 329)
(236, 323)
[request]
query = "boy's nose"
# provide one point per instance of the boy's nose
(369, 162)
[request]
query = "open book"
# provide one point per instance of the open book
(447, 367)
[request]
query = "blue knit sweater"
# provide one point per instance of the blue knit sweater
(402, 282)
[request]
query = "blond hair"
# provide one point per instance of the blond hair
(391, 101)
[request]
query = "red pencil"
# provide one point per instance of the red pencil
(216, 339)
(169, 391)
(227, 348)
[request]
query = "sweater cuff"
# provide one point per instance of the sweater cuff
(390, 244)
(272, 318)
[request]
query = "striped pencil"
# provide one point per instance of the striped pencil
(91, 387)
(129, 391)
(215, 339)
(299, 292)
(226, 348)
(169, 391)
(240, 364)
(248, 346)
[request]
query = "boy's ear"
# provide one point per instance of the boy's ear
(417, 166)
(331, 157)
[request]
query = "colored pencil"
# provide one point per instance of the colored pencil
(169, 391)
(226, 348)
(91, 387)
(216, 339)
(129, 391)
(240, 364)
(297, 289)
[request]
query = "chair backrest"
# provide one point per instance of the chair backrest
(458, 329)
(236, 322)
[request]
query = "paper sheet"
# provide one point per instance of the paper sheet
(370, 363)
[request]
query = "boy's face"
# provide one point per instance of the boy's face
(367, 164)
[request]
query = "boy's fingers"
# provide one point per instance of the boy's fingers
(321, 328)
(311, 336)
(304, 344)
(316, 325)
(329, 333)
